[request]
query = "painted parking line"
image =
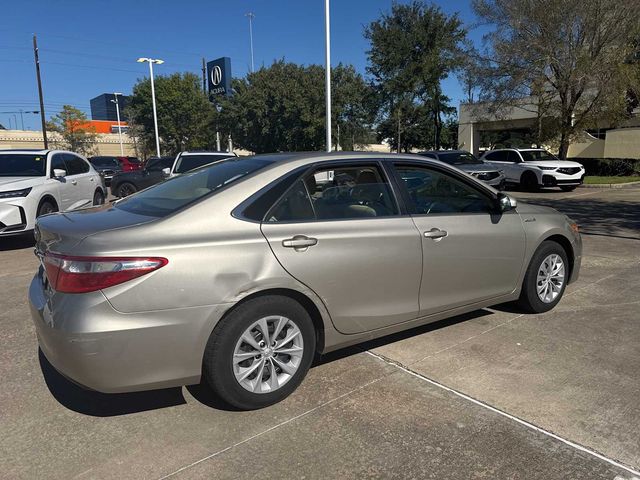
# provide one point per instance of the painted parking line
(577, 446)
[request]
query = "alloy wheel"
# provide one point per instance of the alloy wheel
(268, 354)
(550, 278)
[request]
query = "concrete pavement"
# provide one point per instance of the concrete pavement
(572, 372)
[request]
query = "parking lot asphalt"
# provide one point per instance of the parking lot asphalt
(492, 394)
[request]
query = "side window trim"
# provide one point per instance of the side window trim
(407, 197)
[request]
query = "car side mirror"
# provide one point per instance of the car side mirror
(505, 202)
(59, 173)
(166, 172)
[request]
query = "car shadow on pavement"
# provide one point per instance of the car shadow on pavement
(96, 404)
(17, 242)
(396, 337)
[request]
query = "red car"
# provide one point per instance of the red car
(129, 164)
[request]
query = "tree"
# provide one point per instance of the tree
(183, 113)
(282, 108)
(413, 49)
(74, 131)
(570, 56)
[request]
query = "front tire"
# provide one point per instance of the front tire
(529, 182)
(546, 278)
(125, 189)
(259, 353)
(46, 207)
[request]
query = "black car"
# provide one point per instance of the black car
(106, 166)
(126, 183)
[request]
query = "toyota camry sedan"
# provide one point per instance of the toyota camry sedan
(240, 272)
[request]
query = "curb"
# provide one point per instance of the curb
(610, 185)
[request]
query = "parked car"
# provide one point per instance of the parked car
(187, 161)
(106, 166)
(240, 272)
(126, 183)
(37, 182)
(129, 164)
(535, 168)
(468, 162)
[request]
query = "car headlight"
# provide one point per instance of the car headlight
(15, 193)
(547, 168)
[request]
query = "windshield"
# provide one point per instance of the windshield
(535, 155)
(168, 197)
(458, 158)
(189, 162)
(21, 165)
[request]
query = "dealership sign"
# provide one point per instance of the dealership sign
(219, 76)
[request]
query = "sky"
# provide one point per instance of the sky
(90, 47)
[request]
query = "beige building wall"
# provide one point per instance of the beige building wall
(622, 143)
(106, 144)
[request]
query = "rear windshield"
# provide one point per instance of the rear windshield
(167, 197)
(534, 155)
(189, 162)
(104, 162)
(458, 158)
(22, 165)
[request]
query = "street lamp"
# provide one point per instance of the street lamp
(151, 61)
(115, 95)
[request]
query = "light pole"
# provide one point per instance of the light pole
(115, 95)
(327, 75)
(151, 61)
(251, 16)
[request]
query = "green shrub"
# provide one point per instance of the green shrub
(610, 167)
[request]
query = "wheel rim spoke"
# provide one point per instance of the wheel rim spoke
(262, 362)
(550, 278)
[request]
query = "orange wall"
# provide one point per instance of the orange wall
(102, 126)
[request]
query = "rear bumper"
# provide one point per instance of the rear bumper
(94, 345)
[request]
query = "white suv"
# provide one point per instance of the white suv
(36, 182)
(535, 168)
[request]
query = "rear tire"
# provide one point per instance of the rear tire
(45, 207)
(541, 290)
(98, 198)
(529, 182)
(568, 188)
(261, 387)
(125, 189)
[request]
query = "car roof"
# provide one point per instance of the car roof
(437, 152)
(207, 153)
(26, 150)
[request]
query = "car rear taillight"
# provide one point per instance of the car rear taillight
(71, 274)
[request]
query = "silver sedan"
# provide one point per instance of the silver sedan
(240, 272)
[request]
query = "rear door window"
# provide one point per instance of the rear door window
(336, 193)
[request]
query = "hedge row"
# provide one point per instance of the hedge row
(610, 167)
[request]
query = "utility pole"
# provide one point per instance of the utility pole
(251, 16)
(42, 115)
(204, 76)
(327, 73)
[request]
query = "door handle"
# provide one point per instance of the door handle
(435, 234)
(299, 242)
(74, 182)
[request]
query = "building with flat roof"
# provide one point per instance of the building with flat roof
(102, 107)
(479, 129)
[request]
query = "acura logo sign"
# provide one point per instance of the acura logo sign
(216, 75)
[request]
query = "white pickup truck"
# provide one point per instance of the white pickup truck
(535, 168)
